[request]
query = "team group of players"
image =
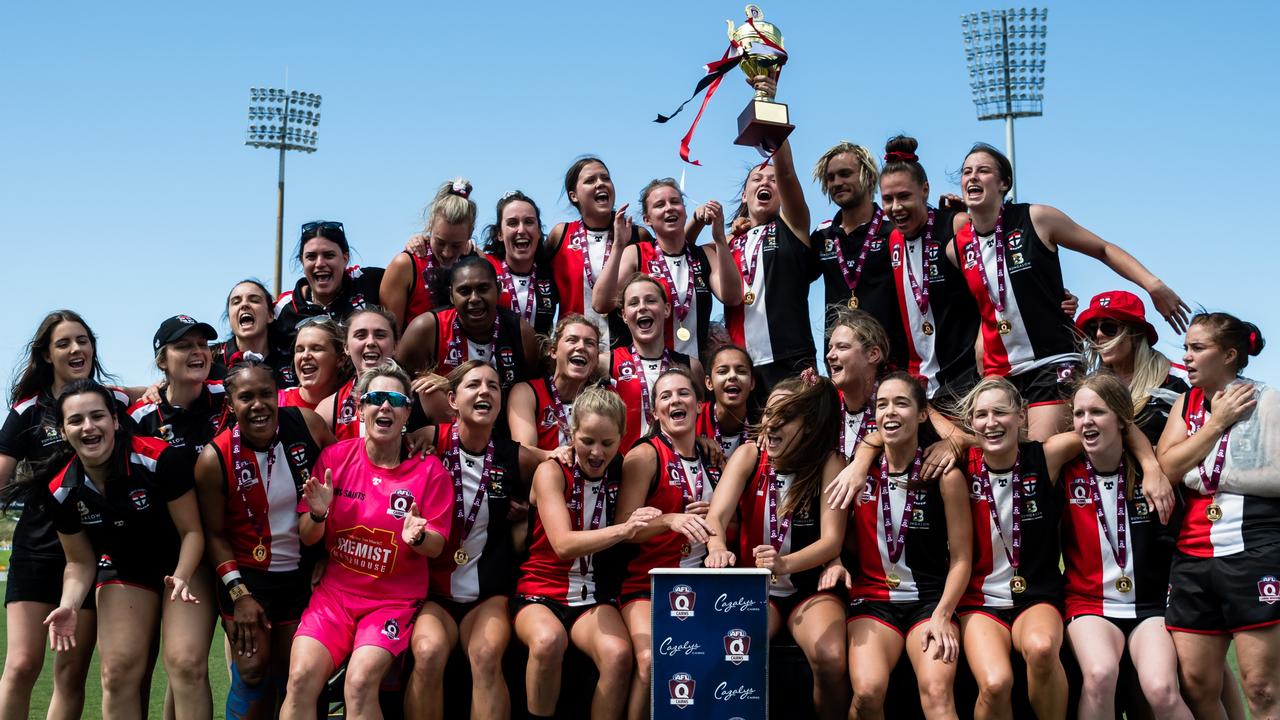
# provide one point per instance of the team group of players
(382, 465)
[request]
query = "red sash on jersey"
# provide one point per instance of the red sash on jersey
(547, 418)
(346, 412)
(420, 298)
(568, 269)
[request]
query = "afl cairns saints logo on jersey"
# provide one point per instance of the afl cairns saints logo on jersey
(399, 504)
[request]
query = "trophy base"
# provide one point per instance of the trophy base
(763, 125)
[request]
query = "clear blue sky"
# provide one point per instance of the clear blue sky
(128, 193)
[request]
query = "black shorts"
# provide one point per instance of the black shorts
(38, 579)
(628, 598)
(1048, 385)
(1125, 625)
(1223, 595)
(785, 605)
(1006, 616)
(567, 614)
(901, 616)
(948, 397)
(780, 369)
(145, 575)
(282, 595)
(456, 610)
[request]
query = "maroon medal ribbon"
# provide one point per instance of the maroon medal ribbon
(854, 274)
(1013, 546)
(1210, 480)
(580, 234)
(777, 530)
(896, 545)
(455, 340)
(663, 273)
(455, 469)
(719, 435)
(864, 425)
(999, 298)
(664, 364)
(509, 286)
(748, 265)
(690, 488)
(579, 514)
(557, 406)
(920, 292)
(245, 465)
(1120, 548)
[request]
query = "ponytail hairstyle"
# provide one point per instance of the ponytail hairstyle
(596, 400)
(36, 373)
(868, 175)
(1003, 166)
(900, 156)
(1150, 367)
(493, 244)
(1116, 397)
(814, 401)
(866, 329)
(1231, 333)
(453, 204)
(964, 409)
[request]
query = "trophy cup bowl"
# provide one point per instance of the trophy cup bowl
(763, 123)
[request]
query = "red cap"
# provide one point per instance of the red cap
(1121, 306)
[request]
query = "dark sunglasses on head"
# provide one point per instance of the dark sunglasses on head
(323, 225)
(1109, 328)
(377, 397)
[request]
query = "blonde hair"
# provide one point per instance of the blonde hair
(964, 409)
(1113, 393)
(864, 326)
(868, 173)
(596, 400)
(452, 203)
(1150, 368)
(388, 369)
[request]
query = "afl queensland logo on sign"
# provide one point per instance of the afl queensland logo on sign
(682, 598)
(737, 646)
(681, 686)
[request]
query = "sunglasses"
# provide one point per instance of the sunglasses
(1108, 328)
(322, 225)
(377, 397)
(320, 320)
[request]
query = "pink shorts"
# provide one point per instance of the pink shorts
(343, 622)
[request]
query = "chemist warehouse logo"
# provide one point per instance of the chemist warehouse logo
(682, 598)
(364, 550)
(681, 686)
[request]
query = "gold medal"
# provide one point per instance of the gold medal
(1004, 326)
(1213, 512)
(893, 581)
(682, 334)
(1018, 584)
(686, 550)
(927, 328)
(1124, 584)
(461, 557)
(260, 552)
(773, 579)
(853, 302)
(749, 298)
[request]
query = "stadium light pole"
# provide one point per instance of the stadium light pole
(282, 120)
(1004, 50)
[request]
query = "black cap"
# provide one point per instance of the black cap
(179, 325)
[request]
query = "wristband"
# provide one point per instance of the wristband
(419, 539)
(238, 591)
(320, 518)
(229, 572)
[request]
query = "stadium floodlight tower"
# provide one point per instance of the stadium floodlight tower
(282, 120)
(1005, 53)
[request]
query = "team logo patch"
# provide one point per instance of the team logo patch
(348, 413)
(876, 245)
(497, 488)
(357, 301)
(737, 646)
(1014, 240)
(104, 562)
(681, 686)
(626, 371)
(1269, 590)
(399, 503)
(298, 453)
(391, 629)
(140, 500)
(1079, 491)
(549, 418)
(682, 599)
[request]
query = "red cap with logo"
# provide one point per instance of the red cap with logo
(1120, 306)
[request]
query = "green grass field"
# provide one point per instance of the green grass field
(93, 694)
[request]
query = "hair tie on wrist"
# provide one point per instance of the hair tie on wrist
(900, 156)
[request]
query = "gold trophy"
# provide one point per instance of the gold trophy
(763, 123)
